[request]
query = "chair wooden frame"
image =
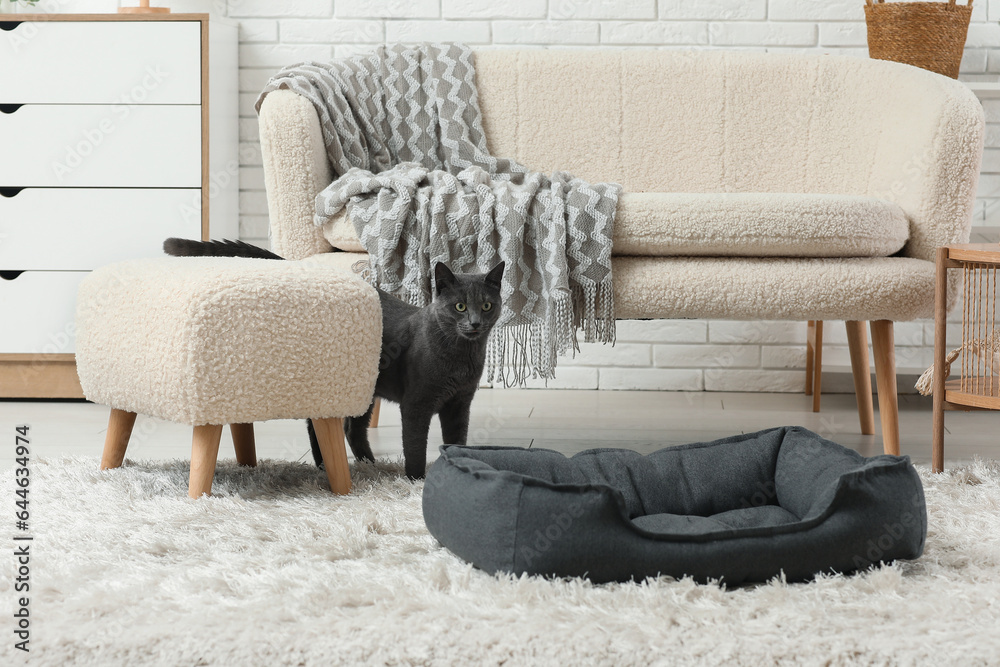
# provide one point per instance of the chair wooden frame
(968, 391)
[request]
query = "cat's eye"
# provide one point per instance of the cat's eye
(460, 307)
(487, 306)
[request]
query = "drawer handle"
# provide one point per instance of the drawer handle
(7, 26)
(10, 108)
(10, 193)
(10, 275)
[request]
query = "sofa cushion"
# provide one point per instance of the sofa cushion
(744, 288)
(668, 224)
(339, 231)
(792, 289)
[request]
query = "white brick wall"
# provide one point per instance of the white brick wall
(546, 32)
(567, 10)
(676, 355)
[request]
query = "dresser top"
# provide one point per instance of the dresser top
(38, 18)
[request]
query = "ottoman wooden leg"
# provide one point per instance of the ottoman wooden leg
(373, 422)
(204, 453)
(115, 443)
(330, 436)
(243, 443)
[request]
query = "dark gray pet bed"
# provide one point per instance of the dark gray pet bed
(741, 509)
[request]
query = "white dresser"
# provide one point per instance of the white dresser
(116, 131)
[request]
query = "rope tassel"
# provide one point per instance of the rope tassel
(987, 350)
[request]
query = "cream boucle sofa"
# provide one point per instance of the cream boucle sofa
(756, 186)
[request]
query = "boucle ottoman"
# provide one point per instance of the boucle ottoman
(212, 341)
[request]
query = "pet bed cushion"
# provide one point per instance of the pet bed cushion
(665, 224)
(740, 509)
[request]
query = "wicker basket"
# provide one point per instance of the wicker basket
(930, 35)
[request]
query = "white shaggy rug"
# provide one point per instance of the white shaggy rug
(274, 570)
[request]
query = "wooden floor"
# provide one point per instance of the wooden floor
(567, 421)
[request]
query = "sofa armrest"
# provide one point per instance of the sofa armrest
(934, 176)
(295, 170)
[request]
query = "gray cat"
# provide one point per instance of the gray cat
(432, 357)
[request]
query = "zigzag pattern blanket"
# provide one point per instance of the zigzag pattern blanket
(404, 135)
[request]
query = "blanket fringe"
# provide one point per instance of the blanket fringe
(519, 351)
(522, 351)
(594, 308)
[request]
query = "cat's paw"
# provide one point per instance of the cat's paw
(414, 476)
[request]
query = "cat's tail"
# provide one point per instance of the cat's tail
(224, 248)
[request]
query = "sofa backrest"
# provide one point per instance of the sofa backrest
(717, 121)
(692, 121)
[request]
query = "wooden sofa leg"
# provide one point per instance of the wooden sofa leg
(120, 425)
(810, 350)
(817, 388)
(857, 339)
(330, 436)
(243, 443)
(204, 453)
(883, 345)
(373, 422)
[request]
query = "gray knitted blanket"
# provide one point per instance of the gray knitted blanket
(404, 135)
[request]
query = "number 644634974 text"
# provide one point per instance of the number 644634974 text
(21, 476)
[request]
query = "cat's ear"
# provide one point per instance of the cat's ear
(495, 275)
(443, 277)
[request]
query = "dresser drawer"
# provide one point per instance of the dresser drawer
(39, 310)
(101, 145)
(81, 229)
(101, 62)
